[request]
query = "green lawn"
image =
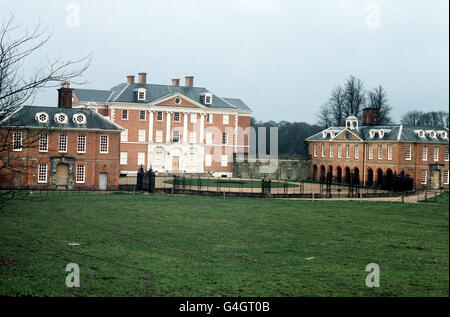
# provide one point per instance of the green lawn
(162, 245)
(226, 183)
(437, 198)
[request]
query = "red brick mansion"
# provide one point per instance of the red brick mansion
(369, 152)
(170, 128)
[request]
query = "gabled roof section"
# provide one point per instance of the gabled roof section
(26, 117)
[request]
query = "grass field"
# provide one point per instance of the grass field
(162, 245)
(225, 183)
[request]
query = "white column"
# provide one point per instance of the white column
(150, 137)
(185, 127)
(202, 127)
(168, 126)
(150, 126)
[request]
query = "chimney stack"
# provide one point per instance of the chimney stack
(370, 116)
(189, 81)
(142, 78)
(130, 79)
(65, 95)
(175, 82)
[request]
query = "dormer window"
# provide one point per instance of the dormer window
(381, 134)
(60, 118)
(141, 93)
(42, 117)
(177, 101)
(431, 134)
(372, 133)
(442, 134)
(324, 134)
(79, 118)
(420, 133)
(207, 98)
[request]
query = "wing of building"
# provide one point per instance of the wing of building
(170, 128)
(59, 148)
(369, 153)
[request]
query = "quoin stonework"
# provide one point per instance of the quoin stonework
(171, 128)
(367, 153)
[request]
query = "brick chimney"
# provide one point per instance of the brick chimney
(65, 95)
(175, 82)
(370, 116)
(142, 78)
(130, 79)
(189, 81)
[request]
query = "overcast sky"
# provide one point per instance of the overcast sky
(281, 57)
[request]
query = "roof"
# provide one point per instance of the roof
(401, 133)
(26, 117)
(126, 92)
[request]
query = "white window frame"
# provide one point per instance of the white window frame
(63, 143)
(176, 136)
(447, 155)
(123, 158)
(42, 173)
(339, 151)
(224, 138)
(424, 177)
(331, 150)
(425, 153)
(371, 152)
(380, 151)
(141, 94)
(322, 150)
(226, 119)
(104, 137)
(158, 113)
(315, 150)
(124, 136)
(446, 177)
(177, 115)
(209, 118)
(43, 142)
(141, 135)
(208, 160)
(389, 152)
(193, 117)
(408, 153)
(141, 159)
(81, 143)
(436, 154)
(356, 151)
(140, 115)
(224, 160)
(125, 114)
(347, 151)
(159, 136)
(80, 176)
(17, 140)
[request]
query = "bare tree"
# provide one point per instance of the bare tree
(354, 97)
(427, 119)
(377, 98)
(17, 44)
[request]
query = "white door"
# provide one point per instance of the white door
(103, 181)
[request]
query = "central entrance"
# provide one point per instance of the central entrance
(175, 163)
(436, 180)
(62, 175)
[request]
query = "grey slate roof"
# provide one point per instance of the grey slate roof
(401, 133)
(26, 117)
(127, 93)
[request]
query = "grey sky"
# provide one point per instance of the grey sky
(281, 57)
